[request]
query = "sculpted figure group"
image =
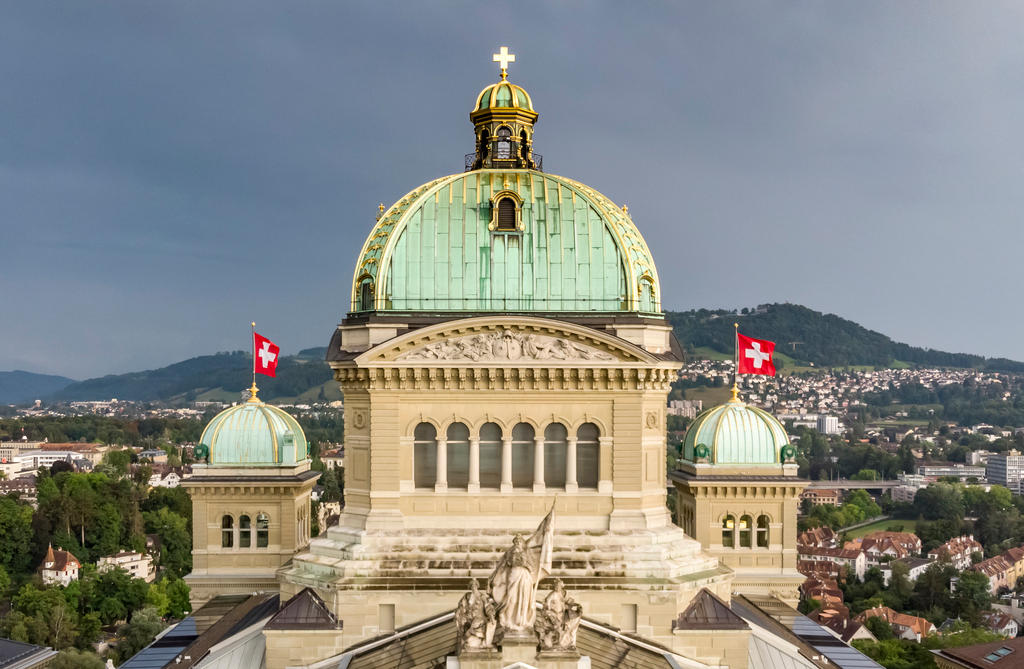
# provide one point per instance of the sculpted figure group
(506, 345)
(507, 609)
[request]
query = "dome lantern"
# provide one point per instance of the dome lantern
(503, 119)
(253, 434)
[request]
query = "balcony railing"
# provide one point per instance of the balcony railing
(470, 162)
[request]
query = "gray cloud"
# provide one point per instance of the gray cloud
(171, 171)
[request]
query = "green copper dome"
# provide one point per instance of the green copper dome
(736, 434)
(505, 240)
(254, 434)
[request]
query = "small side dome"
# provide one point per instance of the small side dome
(253, 434)
(736, 434)
(501, 95)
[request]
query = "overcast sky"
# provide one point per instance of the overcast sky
(170, 171)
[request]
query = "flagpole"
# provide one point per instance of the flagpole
(254, 389)
(736, 360)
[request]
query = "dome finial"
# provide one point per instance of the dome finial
(252, 392)
(503, 58)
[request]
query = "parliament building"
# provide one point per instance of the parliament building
(505, 363)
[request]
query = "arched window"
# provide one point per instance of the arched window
(587, 450)
(366, 295)
(490, 456)
(506, 214)
(729, 532)
(762, 531)
(227, 532)
(745, 530)
(503, 150)
(524, 147)
(262, 530)
(555, 444)
(485, 144)
(522, 456)
(244, 532)
(646, 294)
(458, 456)
(424, 455)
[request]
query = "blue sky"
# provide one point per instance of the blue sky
(171, 171)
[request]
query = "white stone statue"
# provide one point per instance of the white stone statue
(476, 620)
(513, 583)
(558, 620)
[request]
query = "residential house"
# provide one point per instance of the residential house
(825, 590)
(837, 618)
(886, 546)
(915, 567)
(905, 626)
(957, 551)
(819, 496)
(59, 567)
(819, 537)
(1000, 623)
(334, 457)
(840, 558)
(1003, 570)
(138, 565)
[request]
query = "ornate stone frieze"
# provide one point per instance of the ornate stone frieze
(506, 345)
(504, 378)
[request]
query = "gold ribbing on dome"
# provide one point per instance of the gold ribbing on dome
(503, 58)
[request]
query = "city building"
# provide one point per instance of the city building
(958, 551)
(19, 655)
(505, 432)
(1006, 469)
(819, 496)
(1002, 570)
(1004, 654)
(1000, 623)
(59, 567)
(915, 567)
(685, 408)
(138, 565)
(819, 537)
(957, 470)
(828, 424)
(886, 546)
(831, 562)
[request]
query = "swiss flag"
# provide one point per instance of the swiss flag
(266, 355)
(755, 355)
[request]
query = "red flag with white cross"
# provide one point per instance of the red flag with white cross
(266, 354)
(754, 355)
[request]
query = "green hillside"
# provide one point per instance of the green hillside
(211, 377)
(824, 340)
(19, 386)
(808, 337)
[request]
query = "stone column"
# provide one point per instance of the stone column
(506, 465)
(570, 465)
(441, 484)
(538, 464)
(474, 465)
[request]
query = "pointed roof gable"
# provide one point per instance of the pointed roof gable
(707, 612)
(305, 611)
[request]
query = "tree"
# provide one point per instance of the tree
(72, 658)
(972, 597)
(940, 501)
(138, 632)
(15, 536)
(176, 540)
(865, 475)
(878, 626)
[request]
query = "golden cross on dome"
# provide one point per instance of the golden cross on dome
(503, 58)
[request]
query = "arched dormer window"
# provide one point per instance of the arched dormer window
(503, 147)
(506, 214)
(506, 207)
(365, 294)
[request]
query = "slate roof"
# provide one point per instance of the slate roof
(708, 612)
(15, 654)
(214, 622)
(304, 611)
(1002, 654)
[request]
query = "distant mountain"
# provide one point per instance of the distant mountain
(804, 336)
(304, 377)
(19, 386)
(826, 340)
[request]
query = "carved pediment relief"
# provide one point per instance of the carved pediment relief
(506, 345)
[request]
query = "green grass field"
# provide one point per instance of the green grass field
(908, 526)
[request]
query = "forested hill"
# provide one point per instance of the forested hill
(222, 377)
(19, 386)
(823, 339)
